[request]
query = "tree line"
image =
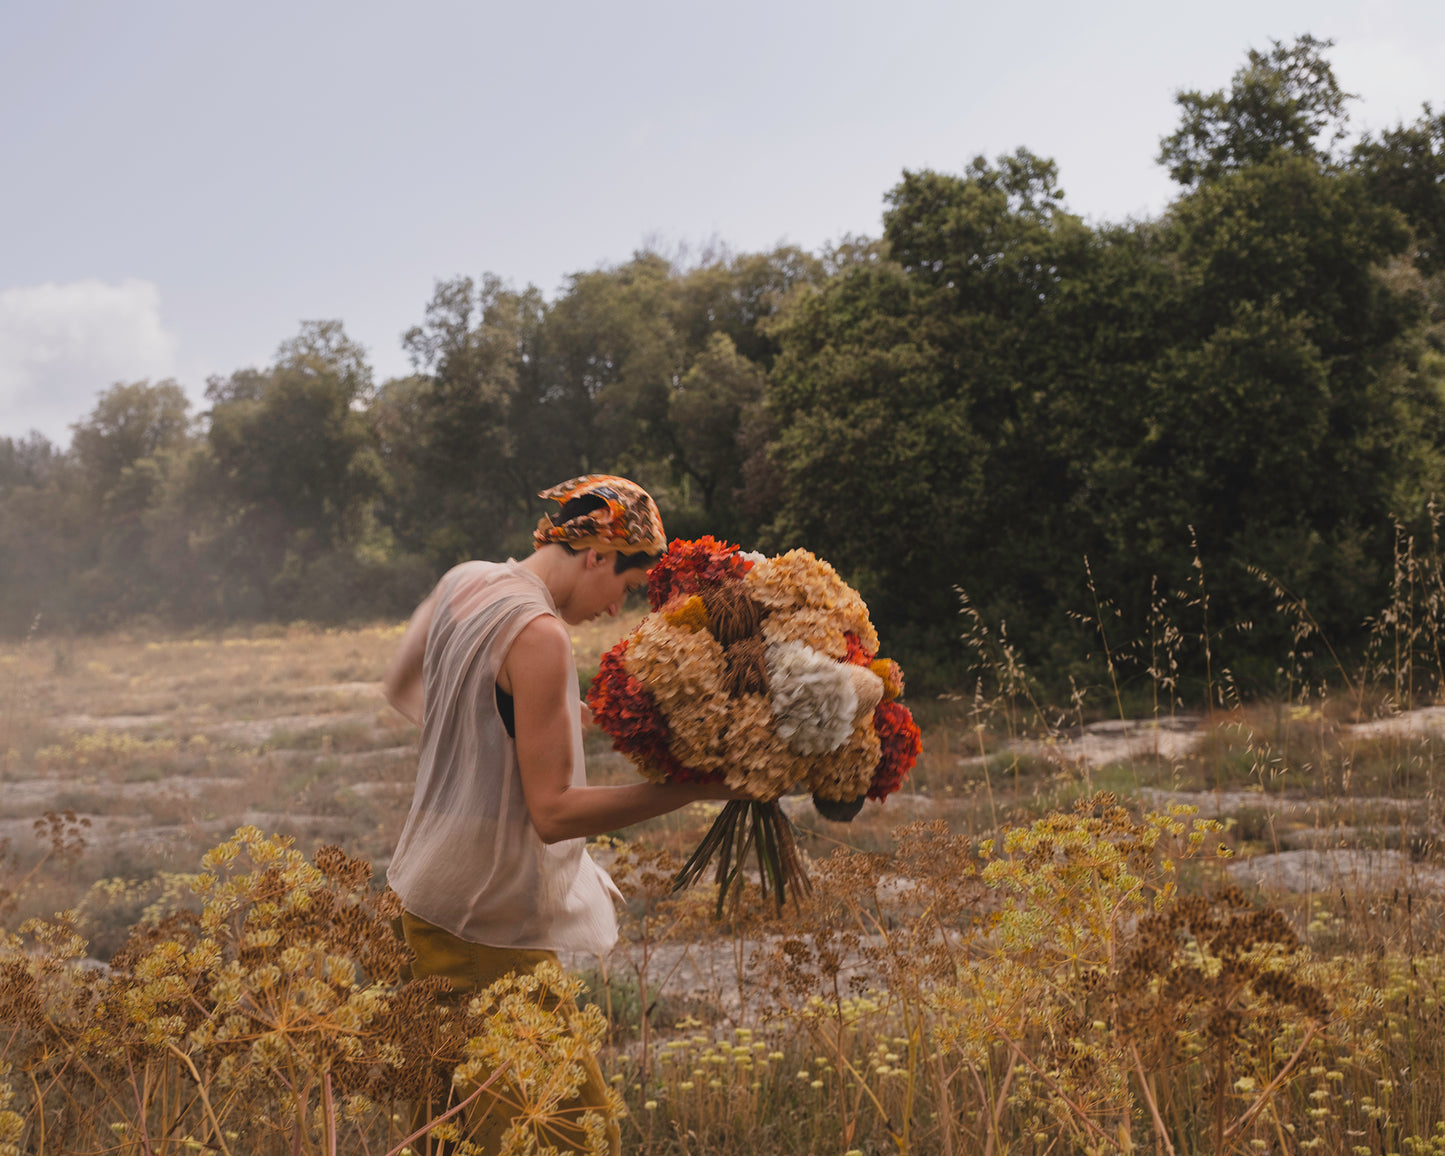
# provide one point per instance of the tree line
(1056, 415)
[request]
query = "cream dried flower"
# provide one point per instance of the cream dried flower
(699, 734)
(677, 666)
(683, 669)
(813, 698)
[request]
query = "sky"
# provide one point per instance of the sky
(183, 183)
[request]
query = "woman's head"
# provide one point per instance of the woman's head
(605, 513)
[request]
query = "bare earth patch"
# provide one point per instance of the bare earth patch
(1335, 870)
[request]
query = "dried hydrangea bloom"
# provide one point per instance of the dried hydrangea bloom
(626, 710)
(821, 629)
(814, 702)
(900, 743)
(677, 666)
(800, 581)
(762, 765)
(699, 735)
(868, 687)
(847, 773)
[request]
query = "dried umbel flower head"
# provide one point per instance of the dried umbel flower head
(1215, 953)
(532, 1036)
(282, 1013)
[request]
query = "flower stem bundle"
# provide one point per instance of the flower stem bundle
(765, 830)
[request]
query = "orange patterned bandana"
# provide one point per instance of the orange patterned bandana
(629, 523)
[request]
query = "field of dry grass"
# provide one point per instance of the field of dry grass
(163, 746)
(157, 748)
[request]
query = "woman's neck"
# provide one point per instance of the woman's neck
(558, 571)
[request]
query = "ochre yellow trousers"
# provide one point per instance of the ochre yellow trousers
(470, 968)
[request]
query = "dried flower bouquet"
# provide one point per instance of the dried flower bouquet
(761, 673)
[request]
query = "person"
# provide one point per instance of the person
(491, 867)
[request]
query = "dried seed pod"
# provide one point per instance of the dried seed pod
(747, 671)
(732, 614)
(836, 811)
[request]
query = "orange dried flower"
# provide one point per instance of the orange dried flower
(891, 674)
(689, 614)
(690, 566)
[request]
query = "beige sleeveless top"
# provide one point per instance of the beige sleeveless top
(469, 859)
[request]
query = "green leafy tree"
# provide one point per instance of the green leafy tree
(707, 411)
(470, 430)
(125, 451)
(28, 461)
(613, 354)
(737, 295)
(294, 467)
(912, 398)
(43, 521)
(119, 444)
(1282, 429)
(1404, 167)
(1280, 103)
(638, 368)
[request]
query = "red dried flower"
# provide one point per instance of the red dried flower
(625, 709)
(901, 743)
(856, 652)
(690, 566)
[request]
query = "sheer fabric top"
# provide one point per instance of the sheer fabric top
(469, 859)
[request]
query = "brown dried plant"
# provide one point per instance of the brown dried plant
(1054, 982)
(281, 1017)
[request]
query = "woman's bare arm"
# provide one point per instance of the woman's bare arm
(402, 683)
(538, 668)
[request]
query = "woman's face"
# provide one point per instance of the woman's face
(600, 589)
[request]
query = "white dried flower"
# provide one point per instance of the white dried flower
(813, 698)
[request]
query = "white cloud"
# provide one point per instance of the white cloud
(61, 344)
